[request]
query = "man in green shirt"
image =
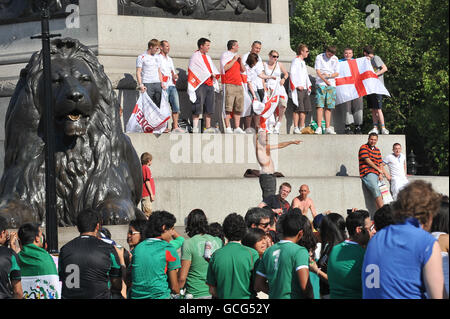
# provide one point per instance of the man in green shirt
(283, 272)
(230, 268)
(155, 262)
(346, 259)
(40, 278)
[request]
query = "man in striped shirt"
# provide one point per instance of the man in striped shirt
(371, 169)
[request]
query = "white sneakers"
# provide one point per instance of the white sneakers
(228, 130)
(318, 131)
(276, 129)
(384, 131)
(330, 130)
(297, 130)
(238, 130)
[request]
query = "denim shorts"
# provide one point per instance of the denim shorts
(174, 100)
(371, 182)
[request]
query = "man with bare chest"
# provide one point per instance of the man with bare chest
(303, 202)
(267, 180)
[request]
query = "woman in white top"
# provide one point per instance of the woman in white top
(275, 68)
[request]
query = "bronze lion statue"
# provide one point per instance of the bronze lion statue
(96, 164)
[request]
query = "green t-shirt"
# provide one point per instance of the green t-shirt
(151, 261)
(279, 266)
(344, 270)
(193, 250)
(230, 271)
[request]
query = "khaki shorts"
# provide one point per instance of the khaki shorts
(146, 206)
(234, 98)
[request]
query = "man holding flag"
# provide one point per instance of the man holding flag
(202, 83)
(357, 79)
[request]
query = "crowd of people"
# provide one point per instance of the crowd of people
(274, 249)
(249, 78)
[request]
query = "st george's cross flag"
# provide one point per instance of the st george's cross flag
(357, 78)
(266, 108)
(200, 69)
(147, 117)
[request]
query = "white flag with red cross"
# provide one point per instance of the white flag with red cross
(357, 78)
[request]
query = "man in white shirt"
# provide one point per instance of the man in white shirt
(170, 77)
(326, 66)
(397, 168)
(148, 72)
(302, 85)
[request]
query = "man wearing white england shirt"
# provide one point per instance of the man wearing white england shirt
(170, 77)
(397, 168)
(148, 72)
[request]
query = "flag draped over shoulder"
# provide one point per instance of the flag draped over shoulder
(357, 78)
(40, 278)
(297, 78)
(247, 99)
(198, 73)
(147, 117)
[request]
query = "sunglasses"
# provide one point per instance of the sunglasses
(264, 224)
(133, 232)
(275, 56)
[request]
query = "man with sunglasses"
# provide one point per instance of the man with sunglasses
(346, 259)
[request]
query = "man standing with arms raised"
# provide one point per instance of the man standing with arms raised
(201, 85)
(232, 66)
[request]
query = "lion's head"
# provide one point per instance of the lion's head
(95, 161)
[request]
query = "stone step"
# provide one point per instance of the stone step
(230, 155)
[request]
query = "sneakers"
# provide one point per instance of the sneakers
(384, 131)
(178, 130)
(318, 131)
(348, 130)
(297, 130)
(250, 130)
(195, 130)
(209, 130)
(374, 130)
(238, 130)
(358, 129)
(330, 130)
(276, 129)
(228, 130)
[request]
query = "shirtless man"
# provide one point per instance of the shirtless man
(267, 181)
(303, 202)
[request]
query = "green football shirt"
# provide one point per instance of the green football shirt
(230, 271)
(151, 261)
(193, 250)
(344, 270)
(279, 265)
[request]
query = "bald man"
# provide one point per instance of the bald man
(303, 202)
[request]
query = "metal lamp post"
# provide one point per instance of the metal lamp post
(51, 220)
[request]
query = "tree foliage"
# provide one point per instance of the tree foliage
(412, 40)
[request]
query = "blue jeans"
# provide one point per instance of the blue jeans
(174, 100)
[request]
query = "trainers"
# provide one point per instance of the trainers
(228, 130)
(374, 130)
(209, 130)
(297, 130)
(358, 130)
(348, 130)
(318, 131)
(384, 131)
(178, 130)
(238, 130)
(276, 129)
(195, 130)
(330, 130)
(250, 130)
